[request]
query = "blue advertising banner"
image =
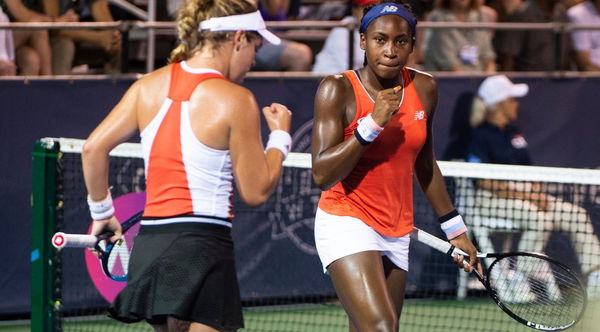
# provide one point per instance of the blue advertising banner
(559, 118)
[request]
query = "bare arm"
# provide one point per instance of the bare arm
(332, 157)
(109, 39)
(274, 7)
(101, 12)
(517, 190)
(256, 172)
(51, 10)
(24, 14)
(51, 7)
(430, 177)
(117, 127)
(427, 171)
(490, 66)
(582, 58)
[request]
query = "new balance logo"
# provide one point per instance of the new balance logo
(389, 9)
(419, 115)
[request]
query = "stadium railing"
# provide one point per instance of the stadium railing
(151, 27)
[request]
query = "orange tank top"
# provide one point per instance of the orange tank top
(184, 176)
(379, 190)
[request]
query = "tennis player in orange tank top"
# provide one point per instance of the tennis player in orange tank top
(373, 131)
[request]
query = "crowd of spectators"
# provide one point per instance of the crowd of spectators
(63, 52)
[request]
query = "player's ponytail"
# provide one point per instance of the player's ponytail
(195, 11)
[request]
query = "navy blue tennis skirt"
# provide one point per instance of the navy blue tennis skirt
(183, 270)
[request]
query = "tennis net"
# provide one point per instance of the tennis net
(282, 284)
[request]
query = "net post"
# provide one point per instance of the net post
(43, 210)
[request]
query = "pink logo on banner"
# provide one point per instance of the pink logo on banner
(125, 207)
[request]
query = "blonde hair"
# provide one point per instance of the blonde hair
(195, 11)
(479, 111)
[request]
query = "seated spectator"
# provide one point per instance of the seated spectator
(287, 56)
(7, 49)
(530, 50)
(586, 43)
(334, 57)
(32, 47)
(496, 140)
(66, 43)
(459, 50)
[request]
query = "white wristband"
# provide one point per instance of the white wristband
(103, 209)
(367, 130)
(454, 227)
(280, 140)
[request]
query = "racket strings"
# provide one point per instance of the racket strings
(537, 290)
(118, 260)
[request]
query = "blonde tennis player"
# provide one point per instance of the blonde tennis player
(199, 131)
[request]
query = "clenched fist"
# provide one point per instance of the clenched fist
(278, 116)
(387, 103)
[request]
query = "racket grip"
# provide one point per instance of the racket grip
(62, 240)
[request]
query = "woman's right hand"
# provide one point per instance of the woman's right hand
(278, 117)
(387, 103)
(108, 225)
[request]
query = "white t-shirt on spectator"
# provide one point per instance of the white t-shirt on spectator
(7, 46)
(333, 57)
(585, 13)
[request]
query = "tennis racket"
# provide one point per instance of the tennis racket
(108, 252)
(533, 289)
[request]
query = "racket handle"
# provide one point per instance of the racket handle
(62, 240)
(436, 243)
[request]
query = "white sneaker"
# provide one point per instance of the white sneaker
(515, 288)
(593, 285)
(551, 287)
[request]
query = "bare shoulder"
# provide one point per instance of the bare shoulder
(227, 93)
(224, 99)
(423, 80)
(155, 85)
(335, 83)
(426, 87)
(335, 92)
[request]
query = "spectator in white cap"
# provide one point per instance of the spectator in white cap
(496, 140)
(496, 101)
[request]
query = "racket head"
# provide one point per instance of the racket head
(536, 290)
(114, 256)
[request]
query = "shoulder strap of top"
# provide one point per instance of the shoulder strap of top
(406, 76)
(359, 90)
(184, 83)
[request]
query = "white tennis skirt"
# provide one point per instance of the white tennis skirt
(340, 236)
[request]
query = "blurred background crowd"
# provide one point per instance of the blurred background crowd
(542, 36)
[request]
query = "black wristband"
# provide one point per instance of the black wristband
(448, 216)
(360, 139)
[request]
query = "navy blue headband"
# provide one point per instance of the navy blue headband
(388, 8)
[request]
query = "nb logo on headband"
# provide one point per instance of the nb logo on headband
(389, 9)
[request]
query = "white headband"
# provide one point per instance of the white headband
(251, 22)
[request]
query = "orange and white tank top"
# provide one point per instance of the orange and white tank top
(184, 176)
(379, 190)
